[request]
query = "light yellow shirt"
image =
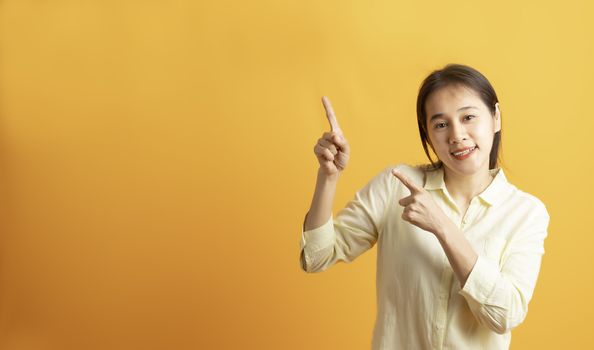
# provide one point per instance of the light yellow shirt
(420, 303)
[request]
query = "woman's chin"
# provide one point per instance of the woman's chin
(465, 167)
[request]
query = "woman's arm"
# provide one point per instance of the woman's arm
(353, 230)
(460, 253)
(321, 204)
(498, 293)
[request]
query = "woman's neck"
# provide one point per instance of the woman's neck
(465, 187)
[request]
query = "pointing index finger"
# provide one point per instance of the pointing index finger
(406, 181)
(331, 116)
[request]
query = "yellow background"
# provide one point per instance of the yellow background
(156, 161)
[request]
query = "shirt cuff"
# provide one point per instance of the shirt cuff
(482, 280)
(318, 238)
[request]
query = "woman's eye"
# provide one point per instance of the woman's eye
(437, 126)
(470, 115)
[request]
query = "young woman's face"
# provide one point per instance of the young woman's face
(457, 119)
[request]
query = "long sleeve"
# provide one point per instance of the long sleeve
(498, 292)
(352, 231)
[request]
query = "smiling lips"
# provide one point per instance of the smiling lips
(463, 153)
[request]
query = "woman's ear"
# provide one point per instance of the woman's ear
(497, 118)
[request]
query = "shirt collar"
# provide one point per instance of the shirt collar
(494, 193)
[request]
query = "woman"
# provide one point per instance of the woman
(458, 247)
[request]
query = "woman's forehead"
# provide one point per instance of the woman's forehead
(450, 98)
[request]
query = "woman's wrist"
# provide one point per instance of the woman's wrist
(325, 178)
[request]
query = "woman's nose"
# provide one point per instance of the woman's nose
(457, 133)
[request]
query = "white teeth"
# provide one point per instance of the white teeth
(465, 152)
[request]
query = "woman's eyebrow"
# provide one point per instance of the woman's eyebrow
(460, 109)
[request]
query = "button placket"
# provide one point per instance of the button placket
(442, 312)
(469, 212)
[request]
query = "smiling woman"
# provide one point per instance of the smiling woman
(458, 83)
(475, 240)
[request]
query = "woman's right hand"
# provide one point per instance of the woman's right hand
(332, 149)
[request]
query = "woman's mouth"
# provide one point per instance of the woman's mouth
(464, 154)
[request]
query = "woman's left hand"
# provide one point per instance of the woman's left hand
(419, 208)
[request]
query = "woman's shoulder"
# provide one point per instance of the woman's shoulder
(518, 201)
(529, 201)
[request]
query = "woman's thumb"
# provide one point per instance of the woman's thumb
(339, 140)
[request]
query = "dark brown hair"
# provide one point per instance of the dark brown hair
(457, 74)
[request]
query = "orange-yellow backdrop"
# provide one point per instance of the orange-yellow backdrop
(156, 161)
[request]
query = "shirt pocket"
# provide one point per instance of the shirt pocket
(493, 249)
